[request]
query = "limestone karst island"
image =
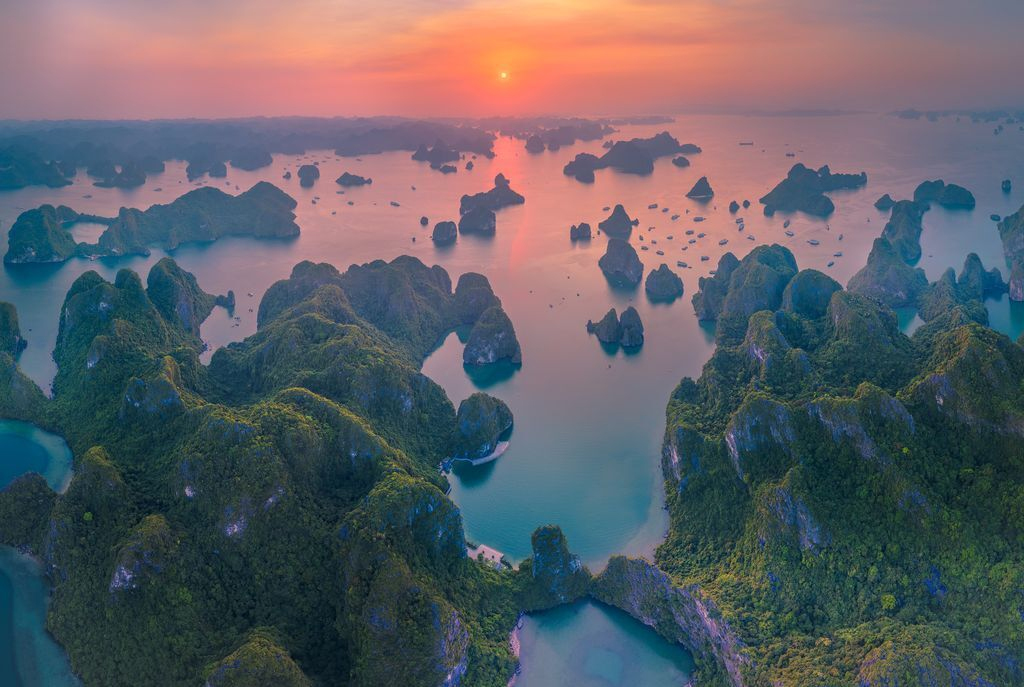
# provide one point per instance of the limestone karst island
(538, 343)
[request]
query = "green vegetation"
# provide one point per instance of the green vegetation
(847, 499)
(41, 235)
(205, 214)
(277, 517)
(10, 331)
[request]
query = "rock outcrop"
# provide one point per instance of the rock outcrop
(41, 235)
(887, 278)
(903, 230)
(618, 224)
(308, 174)
(580, 232)
(620, 264)
(1011, 232)
(473, 297)
(177, 296)
(259, 661)
(627, 330)
(804, 190)
(711, 291)
(347, 180)
(480, 423)
(635, 156)
(492, 340)
(11, 341)
(556, 575)
(701, 190)
(663, 284)
(949, 196)
(445, 233)
(480, 221)
(682, 615)
(808, 294)
(497, 198)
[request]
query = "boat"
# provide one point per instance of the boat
(746, 143)
(814, 242)
(698, 218)
(789, 233)
(395, 204)
(659, 252)
(652, 206)
(830, 263)
(723, 242)
(644, 248)
(837, 254)
(680, 263)
(785, 225)
(704, 258)
(701, 235)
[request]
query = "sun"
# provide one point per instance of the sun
(503, 76)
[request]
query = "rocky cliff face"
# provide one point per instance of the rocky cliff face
(556, 576)
(683, 615)
(11, 341)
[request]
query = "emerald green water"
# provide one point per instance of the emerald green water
(28, 655)
(585, 452)
(587, 644)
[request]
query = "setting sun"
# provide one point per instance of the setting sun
(504, 76)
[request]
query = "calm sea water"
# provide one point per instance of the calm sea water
(590, 645)
(585, 450)
(28, 655)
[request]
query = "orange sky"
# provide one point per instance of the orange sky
(141, 58)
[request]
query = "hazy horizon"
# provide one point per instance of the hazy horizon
(116, 59)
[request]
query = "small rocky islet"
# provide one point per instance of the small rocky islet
(308, 175)
(618, 224)
(349, 180)
(626, 331)
(635, 156)
(480, 424)
(620, 264)
(663, 285)
(804, 190)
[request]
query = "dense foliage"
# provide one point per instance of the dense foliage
(851, 498)
(277, 517)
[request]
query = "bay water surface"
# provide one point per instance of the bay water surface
(585, 452)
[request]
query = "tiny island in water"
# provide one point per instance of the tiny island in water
(467, 396)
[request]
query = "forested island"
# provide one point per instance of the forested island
(202, 215)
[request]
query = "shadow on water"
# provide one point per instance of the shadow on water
(31, 274)
(473, 475)
(632, 351)
(486, 376)
(707, 328)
